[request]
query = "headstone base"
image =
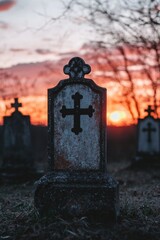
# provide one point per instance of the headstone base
(70, 194)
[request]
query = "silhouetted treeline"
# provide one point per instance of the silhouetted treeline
(121, 143)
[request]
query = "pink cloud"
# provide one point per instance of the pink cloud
(17, 50)
(4, 25)
(29, 79)
(6, 4)
(44, 51)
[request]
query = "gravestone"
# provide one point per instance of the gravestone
(77, 183)
(148, 136)
(17, 147)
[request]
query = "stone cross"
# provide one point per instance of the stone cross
(149, 110)
(16, 104)
(77, 112)
(149, 131)
(77, 183)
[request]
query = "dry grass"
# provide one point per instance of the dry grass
(139, 220)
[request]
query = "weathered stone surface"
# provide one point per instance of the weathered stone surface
(77, 184)
(70, 194)
(81, 150)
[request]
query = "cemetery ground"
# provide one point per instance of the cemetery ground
(139, 203)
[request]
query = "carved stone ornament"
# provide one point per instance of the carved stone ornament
(76, 68)
(77, 112)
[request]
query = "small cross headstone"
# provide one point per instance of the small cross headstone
(148, 136)
(77, 182)
(17, 147)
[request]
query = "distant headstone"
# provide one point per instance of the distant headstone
(77, 183)
(148, 136)
(17, 146)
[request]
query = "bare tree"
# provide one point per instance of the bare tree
(128, 41)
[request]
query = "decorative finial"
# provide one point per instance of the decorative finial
(76, 68)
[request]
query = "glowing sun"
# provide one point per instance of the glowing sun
(117, 116)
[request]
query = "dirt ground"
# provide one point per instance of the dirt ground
(139, 218)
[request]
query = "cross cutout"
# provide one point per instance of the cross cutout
(149, 131)
(16, 104)
(77, 112)
(149, 110)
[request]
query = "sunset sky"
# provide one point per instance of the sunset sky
(31, 32)
(38, 37)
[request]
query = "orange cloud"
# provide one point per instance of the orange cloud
(6, 4)
(28, 79)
